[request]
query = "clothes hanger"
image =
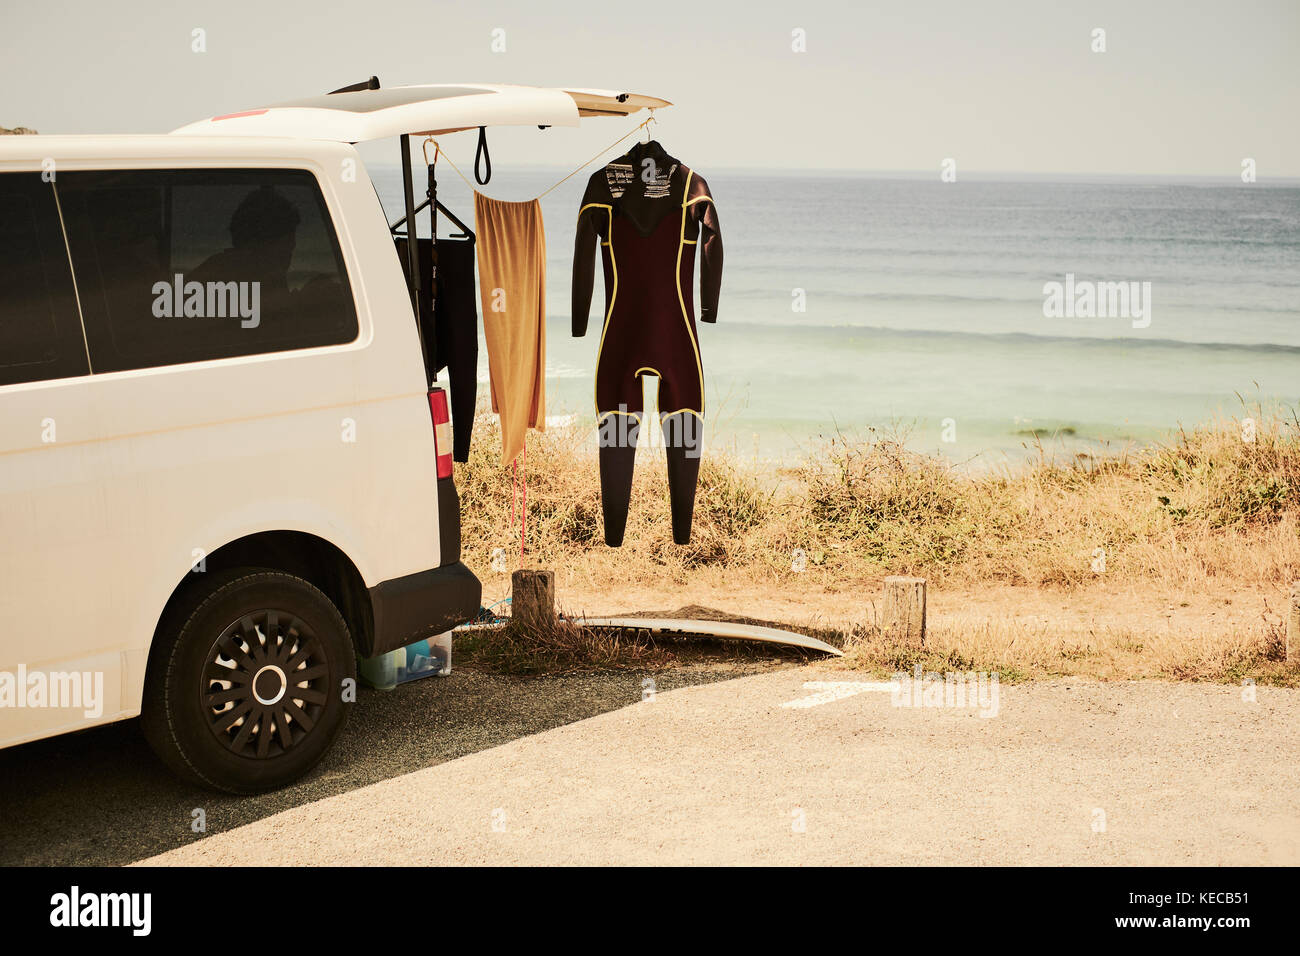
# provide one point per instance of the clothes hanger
(650, 147)
(465, 231)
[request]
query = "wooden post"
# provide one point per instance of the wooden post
(902, 616)
(532, 599)
(1293, 626)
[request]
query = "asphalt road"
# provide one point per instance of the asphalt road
(743, 772)
(100, 797)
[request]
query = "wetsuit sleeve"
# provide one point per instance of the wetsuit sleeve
(585, 249)
(710, 249)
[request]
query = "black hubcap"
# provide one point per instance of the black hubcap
(264, 684)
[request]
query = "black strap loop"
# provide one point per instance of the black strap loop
(481, 155)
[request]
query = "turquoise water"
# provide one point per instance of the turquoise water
(924, 308)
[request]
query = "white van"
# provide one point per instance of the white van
(220, 468)
(225, 460)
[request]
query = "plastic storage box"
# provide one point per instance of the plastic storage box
(429, 658)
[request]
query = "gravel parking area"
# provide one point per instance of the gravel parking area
(1066, 772)
(101, 797)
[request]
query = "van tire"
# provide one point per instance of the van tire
(221, 627)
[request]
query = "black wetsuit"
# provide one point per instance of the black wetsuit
(650, 214)
(453, 329)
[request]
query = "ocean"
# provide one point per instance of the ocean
(853, 302)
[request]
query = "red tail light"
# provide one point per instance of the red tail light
(441, 430)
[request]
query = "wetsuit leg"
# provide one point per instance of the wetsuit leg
(457, 336)
(683, 442)
(618, 434)
(450, 334)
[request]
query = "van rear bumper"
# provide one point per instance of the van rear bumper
(416, 606)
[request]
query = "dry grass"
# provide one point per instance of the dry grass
(566, 647)
(1026, 652)
(565, 526)
(1204, 505)
(1204, 511)
(523, 649)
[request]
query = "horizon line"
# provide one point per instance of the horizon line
(927, 174)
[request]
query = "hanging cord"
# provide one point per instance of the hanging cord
(644, 124)
(437, 151)
(480, 155)
(515, 499)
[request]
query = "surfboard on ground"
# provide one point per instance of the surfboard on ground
(720, 629)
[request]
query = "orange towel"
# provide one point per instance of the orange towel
(511, 248)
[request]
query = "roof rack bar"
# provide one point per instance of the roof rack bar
(412, 245)
(408, 195)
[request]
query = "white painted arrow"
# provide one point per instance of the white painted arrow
(832, 690)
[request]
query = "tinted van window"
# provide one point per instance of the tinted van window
(186, 265)
(40, 330)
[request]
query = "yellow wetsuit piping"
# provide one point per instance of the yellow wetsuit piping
(595, 393)
(678, 276)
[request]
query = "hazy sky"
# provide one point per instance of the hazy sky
(1184, 88)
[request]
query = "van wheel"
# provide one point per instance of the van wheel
(246, 695)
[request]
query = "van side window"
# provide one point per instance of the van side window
(185, 265)
(40, 329)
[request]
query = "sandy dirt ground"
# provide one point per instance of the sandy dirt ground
(1067, 772)
(1195, 610)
